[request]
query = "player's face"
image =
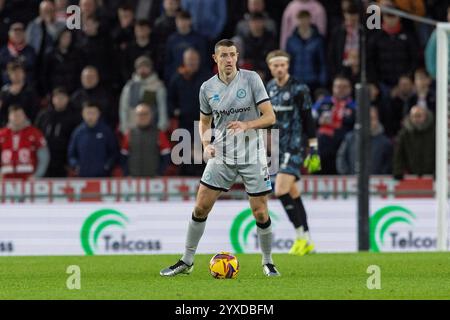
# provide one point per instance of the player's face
(226, 59)
(279, 69)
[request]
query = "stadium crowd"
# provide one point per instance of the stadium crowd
(103, 100)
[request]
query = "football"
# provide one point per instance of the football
(224, 266)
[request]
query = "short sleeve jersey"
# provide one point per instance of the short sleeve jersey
(236, 101)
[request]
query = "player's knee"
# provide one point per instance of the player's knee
(201, 211)
(260, 215)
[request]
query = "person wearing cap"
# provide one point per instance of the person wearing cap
(144, 86)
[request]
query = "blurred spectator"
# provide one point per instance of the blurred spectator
(401, 102)
(165, 24)
(142, 45)
(184, 89)
(431, 50)
(90, 9)
(255, 6)
(57, 124)
(17, 92)
(415, 7)
(380, 147)
(96, 49)
(145, 148)
(147, 9)
(63, 65)
(289, 20)
(41, 33)
(61, 10)
(144, 86)
(23, 148)
(307, 49)
(424, 95)
(335, 117)
(257, 44)
(178, 42)
(123, 33)
(17, 50)
(344, 44)
(93, 149)
(208, 17)
(415, 150)
(391, 53)
(92, 90)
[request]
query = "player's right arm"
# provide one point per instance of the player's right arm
(205, 124)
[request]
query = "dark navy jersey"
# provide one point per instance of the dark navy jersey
(292, 105)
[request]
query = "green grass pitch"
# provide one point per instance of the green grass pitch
(317, 276)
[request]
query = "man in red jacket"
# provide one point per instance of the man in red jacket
(23, 148)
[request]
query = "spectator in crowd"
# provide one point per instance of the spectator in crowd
(335, 117)
(123, 33)
(23, 149)
(307, 50)
(165, 24)
(57, 124)
(143, 45)
(146, 148)
(96, 49)
(208, 17)
(431, 49)
(380, 145)
(92, 90)
(93, 149)
(144, 86)
(344, 42)
(62, 66)
(257, 44)
(17, 92)
(17, 50)
(178, 42)
(255, 7)
(41, 33)
(415, 150)
(61, 10)
(147, 9)
(392, 52)
(424, 95)
(400, 103)
(184, 89)
(289, 20)
(90, 9)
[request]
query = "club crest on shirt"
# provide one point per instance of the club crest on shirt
(241, 94)
(286, 96)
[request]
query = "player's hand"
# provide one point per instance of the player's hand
(312, 161)
(237, 126)
(209, 152)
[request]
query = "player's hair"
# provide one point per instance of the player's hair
(224, 43)
(303, 14)
(183, 14)
(15, 107)
(277, 53)
(91, 104)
